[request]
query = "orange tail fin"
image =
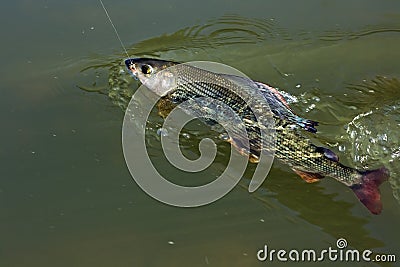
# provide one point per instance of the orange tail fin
(368, 191)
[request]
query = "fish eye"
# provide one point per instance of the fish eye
(146, 69)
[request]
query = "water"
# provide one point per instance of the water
(67, 198)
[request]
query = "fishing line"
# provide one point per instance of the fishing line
(115, 29)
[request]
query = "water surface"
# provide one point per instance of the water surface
(67, 198)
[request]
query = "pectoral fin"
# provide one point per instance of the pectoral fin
(309, 177)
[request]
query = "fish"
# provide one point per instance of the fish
(174, 83)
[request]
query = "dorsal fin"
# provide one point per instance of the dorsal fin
(282, 108)
(276, 93)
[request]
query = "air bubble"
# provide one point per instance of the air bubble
(224, 136)
(162, 132)
(186, 135)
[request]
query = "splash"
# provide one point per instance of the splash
(368, 119)
(374, 134)
(375, 140)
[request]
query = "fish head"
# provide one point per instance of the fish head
(157, 75)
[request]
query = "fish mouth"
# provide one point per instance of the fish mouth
(130, 64)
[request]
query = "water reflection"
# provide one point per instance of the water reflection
(334, 216)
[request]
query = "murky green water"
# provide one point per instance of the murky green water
(66, 196)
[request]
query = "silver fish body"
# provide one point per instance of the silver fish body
(176, 83)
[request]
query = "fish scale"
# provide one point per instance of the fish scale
(290, 146)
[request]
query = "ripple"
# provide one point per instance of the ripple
(338, 34)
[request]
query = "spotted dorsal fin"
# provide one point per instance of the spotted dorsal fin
(281, 108)
(278, 95)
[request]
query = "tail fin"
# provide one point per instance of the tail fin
(368, 190)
